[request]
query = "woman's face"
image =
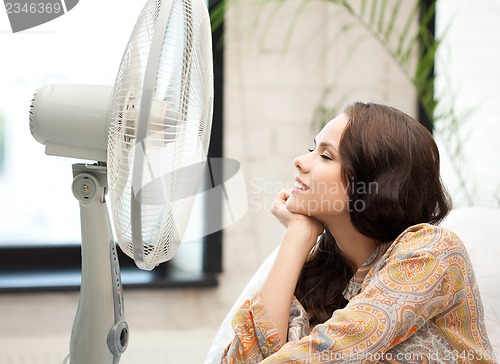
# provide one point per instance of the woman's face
(319, 190)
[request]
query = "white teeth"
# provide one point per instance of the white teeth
(299, 186)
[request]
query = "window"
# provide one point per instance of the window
(39, 217)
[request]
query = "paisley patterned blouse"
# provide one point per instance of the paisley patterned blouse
(415, 300)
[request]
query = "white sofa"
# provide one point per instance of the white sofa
(476, 227)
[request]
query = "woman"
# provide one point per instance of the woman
(383, 283)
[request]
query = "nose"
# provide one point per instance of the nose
(300, 163)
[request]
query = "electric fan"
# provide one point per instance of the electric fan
(149, 135)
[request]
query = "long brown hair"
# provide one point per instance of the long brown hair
(390, 165)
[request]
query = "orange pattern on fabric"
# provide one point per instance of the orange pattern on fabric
(418, 303)
(412, 268)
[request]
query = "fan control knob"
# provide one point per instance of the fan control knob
(118, 338)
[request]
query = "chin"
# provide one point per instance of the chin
(295, 206)
(291, 205)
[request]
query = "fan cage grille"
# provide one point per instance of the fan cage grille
(178, 130)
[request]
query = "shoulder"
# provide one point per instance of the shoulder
(428, 239)
(418, 260)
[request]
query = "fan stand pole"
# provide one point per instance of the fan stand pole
(99, 333)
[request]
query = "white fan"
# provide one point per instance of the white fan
(149, 135)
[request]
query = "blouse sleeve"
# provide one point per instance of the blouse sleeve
(412, 286)
(256, 337)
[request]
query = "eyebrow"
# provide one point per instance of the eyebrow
(326, 144)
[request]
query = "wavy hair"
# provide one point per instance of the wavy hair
(388, 149)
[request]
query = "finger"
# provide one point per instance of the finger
(279, 201)
(283, 195)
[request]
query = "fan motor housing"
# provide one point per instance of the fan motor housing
(72, 120)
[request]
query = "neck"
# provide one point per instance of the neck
(356, 246)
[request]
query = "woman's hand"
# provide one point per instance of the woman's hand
(298, 240)
(289, 219)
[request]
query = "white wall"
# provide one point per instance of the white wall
(469, 77)
(271, 95)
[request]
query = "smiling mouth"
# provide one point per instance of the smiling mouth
(300, 186)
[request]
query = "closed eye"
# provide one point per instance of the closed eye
(324, 156)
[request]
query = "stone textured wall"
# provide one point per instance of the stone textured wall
(272, 89)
